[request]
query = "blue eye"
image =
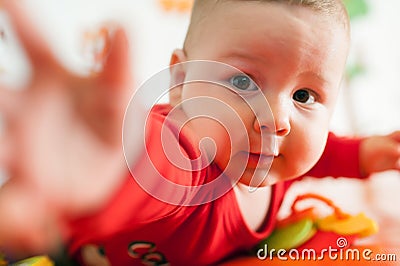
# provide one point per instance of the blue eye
(304, 96)
(243, 83)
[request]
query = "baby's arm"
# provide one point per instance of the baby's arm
(62, 142)
(358, 157)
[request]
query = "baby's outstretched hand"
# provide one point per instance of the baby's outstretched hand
(380, 153)
(61, 146)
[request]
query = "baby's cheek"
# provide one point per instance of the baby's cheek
(315, 147)
(309, 149)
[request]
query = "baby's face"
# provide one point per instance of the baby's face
(296, 56)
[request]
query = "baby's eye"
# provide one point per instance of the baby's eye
(243, 83)
(304, 96)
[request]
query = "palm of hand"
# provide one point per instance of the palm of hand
(56, 150)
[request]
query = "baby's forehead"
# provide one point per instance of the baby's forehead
(326, 6)
(332, 9)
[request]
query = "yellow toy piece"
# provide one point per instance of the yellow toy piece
(359, 225)
(3, 261)
(35, 261)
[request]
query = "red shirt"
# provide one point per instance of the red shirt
(135, 227)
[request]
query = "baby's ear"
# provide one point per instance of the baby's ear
(178, 74)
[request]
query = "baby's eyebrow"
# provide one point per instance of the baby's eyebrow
(313, 75)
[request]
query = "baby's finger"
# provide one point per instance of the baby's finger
(6, 147)
(8, 100)
(31, 39)
(26, 225)
(395, 136)
(116, 71)
(4, 153)
(115, 83)
(390, 148)
(397, 165)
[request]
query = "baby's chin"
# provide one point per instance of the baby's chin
(268, 179)
(263, 177)
(257, 178)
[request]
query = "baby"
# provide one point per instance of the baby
(289, 53)
(248, 121)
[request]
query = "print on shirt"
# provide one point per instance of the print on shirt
(147, 253)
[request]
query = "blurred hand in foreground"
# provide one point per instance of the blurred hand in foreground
(62, 145)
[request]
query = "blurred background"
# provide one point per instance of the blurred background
(369, 102)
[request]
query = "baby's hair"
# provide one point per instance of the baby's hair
(330, 8)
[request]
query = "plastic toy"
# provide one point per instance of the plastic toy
(303, 229)
(33, 261)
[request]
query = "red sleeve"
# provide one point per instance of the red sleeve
(340, 158)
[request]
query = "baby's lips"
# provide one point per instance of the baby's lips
(270, 153)
(266, 150)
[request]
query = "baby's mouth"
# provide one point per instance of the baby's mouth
(259, 160)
